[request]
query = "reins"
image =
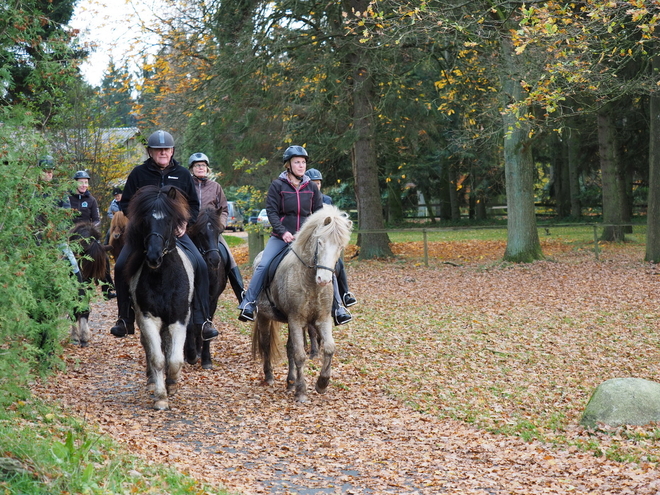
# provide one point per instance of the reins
(315, 265)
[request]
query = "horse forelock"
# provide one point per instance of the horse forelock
(150, 202)
(207, 215)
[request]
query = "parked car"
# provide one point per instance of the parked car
(262, 218)
(235, 220)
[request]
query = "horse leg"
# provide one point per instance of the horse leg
(207, 363)
(264, 328)
(151, 341)
(174, 356)
(313, 341)
(299, 358)
(190, 348)
(83, 330)
(291, 376)
(75, 333)
(325, 330)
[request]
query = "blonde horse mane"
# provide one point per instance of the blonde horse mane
(328, 222)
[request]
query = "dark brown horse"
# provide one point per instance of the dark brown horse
(302, 290)
(205, 233)
(94, 266)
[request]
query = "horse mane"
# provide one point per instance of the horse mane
(119, 221)
(169, 201)
(92, 259)
(206, 215)
(330, 221)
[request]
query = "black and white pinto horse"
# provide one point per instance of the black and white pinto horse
(302, 292)
(161, 281)
(94, 266)
(205, 233)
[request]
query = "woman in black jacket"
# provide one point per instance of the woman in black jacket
(292, 197)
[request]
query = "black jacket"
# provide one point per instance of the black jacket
(151, 174)
(288, 207)
(88, 207)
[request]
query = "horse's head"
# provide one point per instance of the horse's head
(205, 233)
(118, 225)
(322, 238)
(155, 215)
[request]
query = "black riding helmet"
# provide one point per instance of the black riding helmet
(314, 174)
(160, 139)
(293, 151)
(81, 174)
(47, 162)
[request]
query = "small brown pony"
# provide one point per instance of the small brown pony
(117, 231)
(302, 290)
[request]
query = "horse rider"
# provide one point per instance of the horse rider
(83, 201)
(161, 169)
(88, 208)
(47, 166)
(292, 197)
(112, 209)
(210, 193)
(347, 296)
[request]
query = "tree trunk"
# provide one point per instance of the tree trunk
(653, 212)
(523, 243)
(365, 168)
(614, 200)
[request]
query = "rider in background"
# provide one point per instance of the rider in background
(114, 204)
(88, 208)
(160, 169)
(292, 197)
(342, 294)
(83, 201)
(210, 193)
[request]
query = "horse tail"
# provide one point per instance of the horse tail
(266, 340)
(93, 263)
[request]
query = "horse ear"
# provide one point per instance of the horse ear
(172, 193)
(327, 221)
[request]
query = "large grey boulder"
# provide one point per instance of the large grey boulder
(623, 401)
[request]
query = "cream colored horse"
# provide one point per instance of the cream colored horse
(302, 291)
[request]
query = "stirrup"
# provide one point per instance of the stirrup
(209, 332)
(341, 317)
(349, 299)
(247, 313)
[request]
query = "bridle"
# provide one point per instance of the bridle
(166, 248)
(314, 265)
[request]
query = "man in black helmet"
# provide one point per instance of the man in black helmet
(160, 169)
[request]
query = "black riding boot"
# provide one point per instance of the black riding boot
(236, 282)
(340, 314)
(342, 282)
(125, 323)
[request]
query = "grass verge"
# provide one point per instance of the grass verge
(45, 451)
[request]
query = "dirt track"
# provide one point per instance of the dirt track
(226, 428)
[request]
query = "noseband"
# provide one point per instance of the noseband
(165, 250)
(314, 265)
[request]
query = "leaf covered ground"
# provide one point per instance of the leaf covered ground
(467, 376)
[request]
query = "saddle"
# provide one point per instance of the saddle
(191, 256)
(270, 271)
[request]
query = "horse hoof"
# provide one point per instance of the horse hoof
(75, 342)
(290, 385)
(322, 385)
(161, 405)
(207, 366)
(172, 389)
(84, 343)
(192, 360)
(301, 398)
